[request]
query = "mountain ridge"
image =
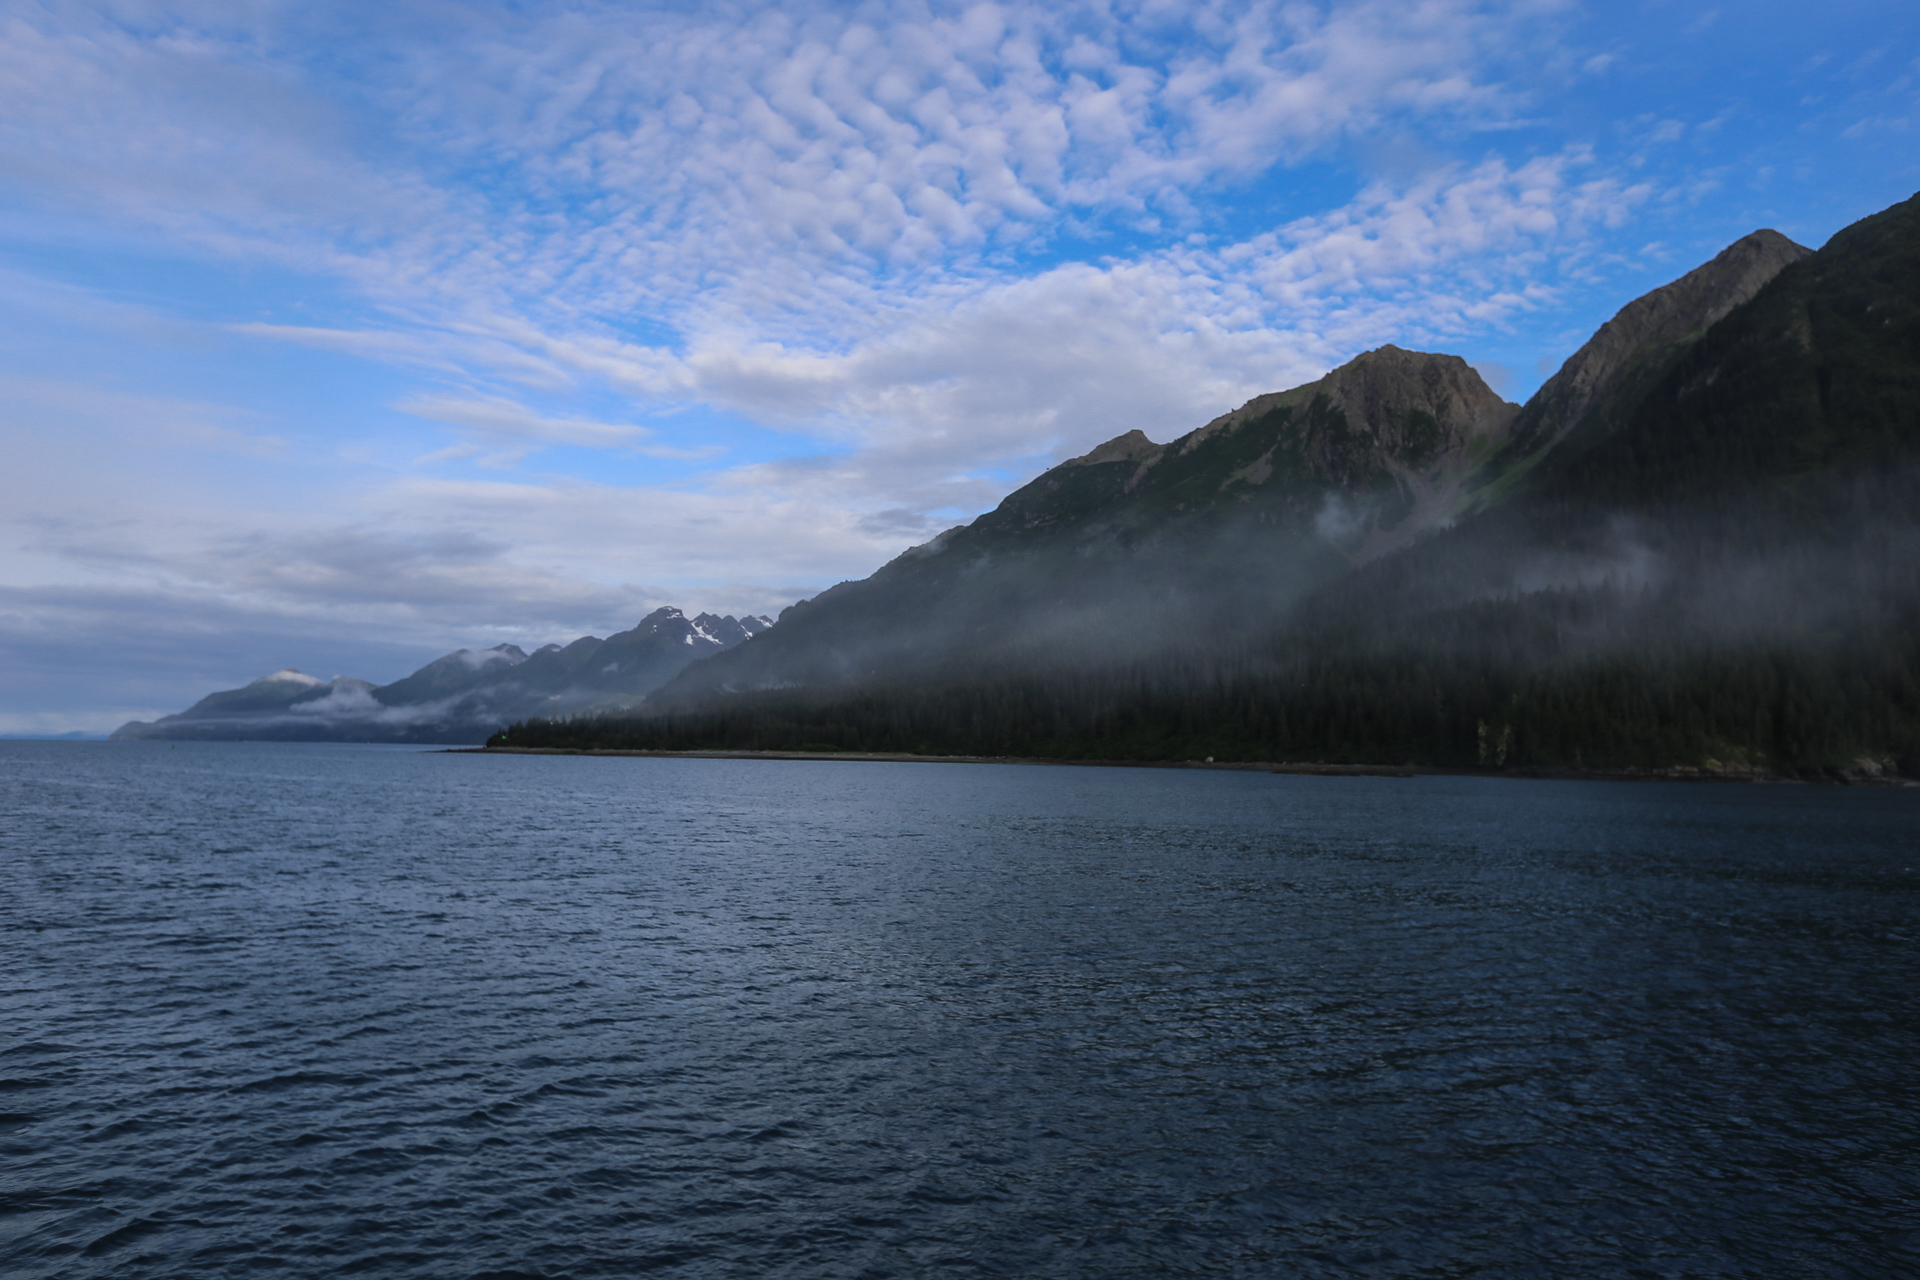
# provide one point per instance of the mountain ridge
(1338, 470)
(1696, 549)
(463, 696)
(1640, 341)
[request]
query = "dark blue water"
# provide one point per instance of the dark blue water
(310, 1011)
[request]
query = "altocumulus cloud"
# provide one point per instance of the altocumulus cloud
(416, 327)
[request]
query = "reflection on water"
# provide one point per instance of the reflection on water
(305, 1010)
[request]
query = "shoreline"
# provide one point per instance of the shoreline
(1298, 768)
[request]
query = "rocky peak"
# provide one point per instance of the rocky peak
(728, 630)
(1413, 405)
(1644, 330)
(1389, 392)
(1130, 447)
(672, 623)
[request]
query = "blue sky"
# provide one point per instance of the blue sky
(339, 336)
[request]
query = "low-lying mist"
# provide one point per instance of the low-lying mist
(1773, 633)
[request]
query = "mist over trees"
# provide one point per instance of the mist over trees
(1696, 547)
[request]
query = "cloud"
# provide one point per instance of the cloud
(921, 250)
(775, 146)
(165, 615)
(945, 398)
(133, 416)
(687, 164)
(1024, 372)
(442, 562)
(512, 430)
(920, 425)
(92, 658)
(828, 218)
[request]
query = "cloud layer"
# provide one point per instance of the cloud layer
(442, 326)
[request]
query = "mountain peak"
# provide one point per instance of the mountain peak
(1122, 448)
(1381, 386)
(1647, 333)
(478, 659)
(1387, 383)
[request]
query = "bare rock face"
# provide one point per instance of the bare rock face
(1384, 386)
(1420, 411)
(1378, 392)
(1386, 412)
(1433, 420)
(1631, 349)
(1388, 439)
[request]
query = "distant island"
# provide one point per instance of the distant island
(463, 697)
(1695, 549)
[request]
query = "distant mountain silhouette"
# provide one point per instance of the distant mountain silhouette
(464, 696)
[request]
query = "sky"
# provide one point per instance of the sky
(339, 336)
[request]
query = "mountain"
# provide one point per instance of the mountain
(1697, 547)
(463, 696)
(1135, 543)
(1818, 376)
(1224, 530)
(1606, 377)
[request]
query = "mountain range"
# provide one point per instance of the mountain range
(1693, 548)
(464, 696)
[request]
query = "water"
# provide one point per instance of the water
(312, 1010)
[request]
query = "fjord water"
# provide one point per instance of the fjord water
(317, 1010)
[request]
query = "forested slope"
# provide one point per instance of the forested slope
(1718, 567)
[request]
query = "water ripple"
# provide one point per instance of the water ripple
(363, 1011)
